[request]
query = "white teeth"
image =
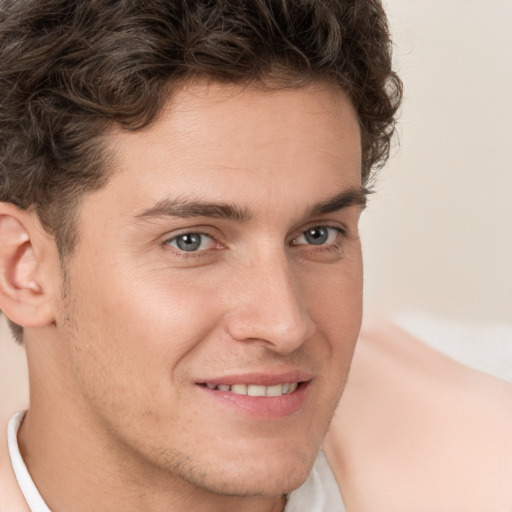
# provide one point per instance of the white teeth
(257, 389)
(254, 390)
(239, 389)
(274, 390)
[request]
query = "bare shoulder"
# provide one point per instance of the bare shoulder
(418, 431)
(11, 499)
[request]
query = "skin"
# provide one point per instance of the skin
(418, 431)
(118, 420)
(414, 430)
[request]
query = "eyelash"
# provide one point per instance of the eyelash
(188, 254)
(342, 233)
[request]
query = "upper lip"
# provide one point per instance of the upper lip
(261, 378)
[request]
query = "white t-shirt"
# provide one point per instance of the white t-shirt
(319, 493)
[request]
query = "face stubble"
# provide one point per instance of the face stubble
(138, 331)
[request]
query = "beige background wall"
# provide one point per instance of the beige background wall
(438, 235)
(438, 232)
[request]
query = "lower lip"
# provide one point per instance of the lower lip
(260, 406)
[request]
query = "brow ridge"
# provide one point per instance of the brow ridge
(185, 208)
(345, 199)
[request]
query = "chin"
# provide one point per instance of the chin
(269, 474)
(264, 484)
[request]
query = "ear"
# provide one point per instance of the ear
(25, 293)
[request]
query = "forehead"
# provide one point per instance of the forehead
(227, 140)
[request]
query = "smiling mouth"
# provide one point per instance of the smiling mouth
(256, 390)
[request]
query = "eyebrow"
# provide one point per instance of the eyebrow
(185, 208)
(349, 197)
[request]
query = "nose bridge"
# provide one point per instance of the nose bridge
(269, 305)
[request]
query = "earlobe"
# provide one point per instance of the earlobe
(23, 297)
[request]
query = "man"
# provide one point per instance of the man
(181, 185)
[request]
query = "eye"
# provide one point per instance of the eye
(191, 242)
(318, 235)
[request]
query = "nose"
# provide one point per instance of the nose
(269, 305)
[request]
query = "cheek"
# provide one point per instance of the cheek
(335, 292)
(127, 350)
(334, 301)
(141, 327)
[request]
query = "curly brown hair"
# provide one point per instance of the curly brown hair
(71, 69)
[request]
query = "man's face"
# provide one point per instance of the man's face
(222, 260)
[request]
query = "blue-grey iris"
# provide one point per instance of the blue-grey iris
(316, 236)
(189, 242)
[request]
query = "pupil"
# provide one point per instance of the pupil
(317, 236)
(190, 242)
